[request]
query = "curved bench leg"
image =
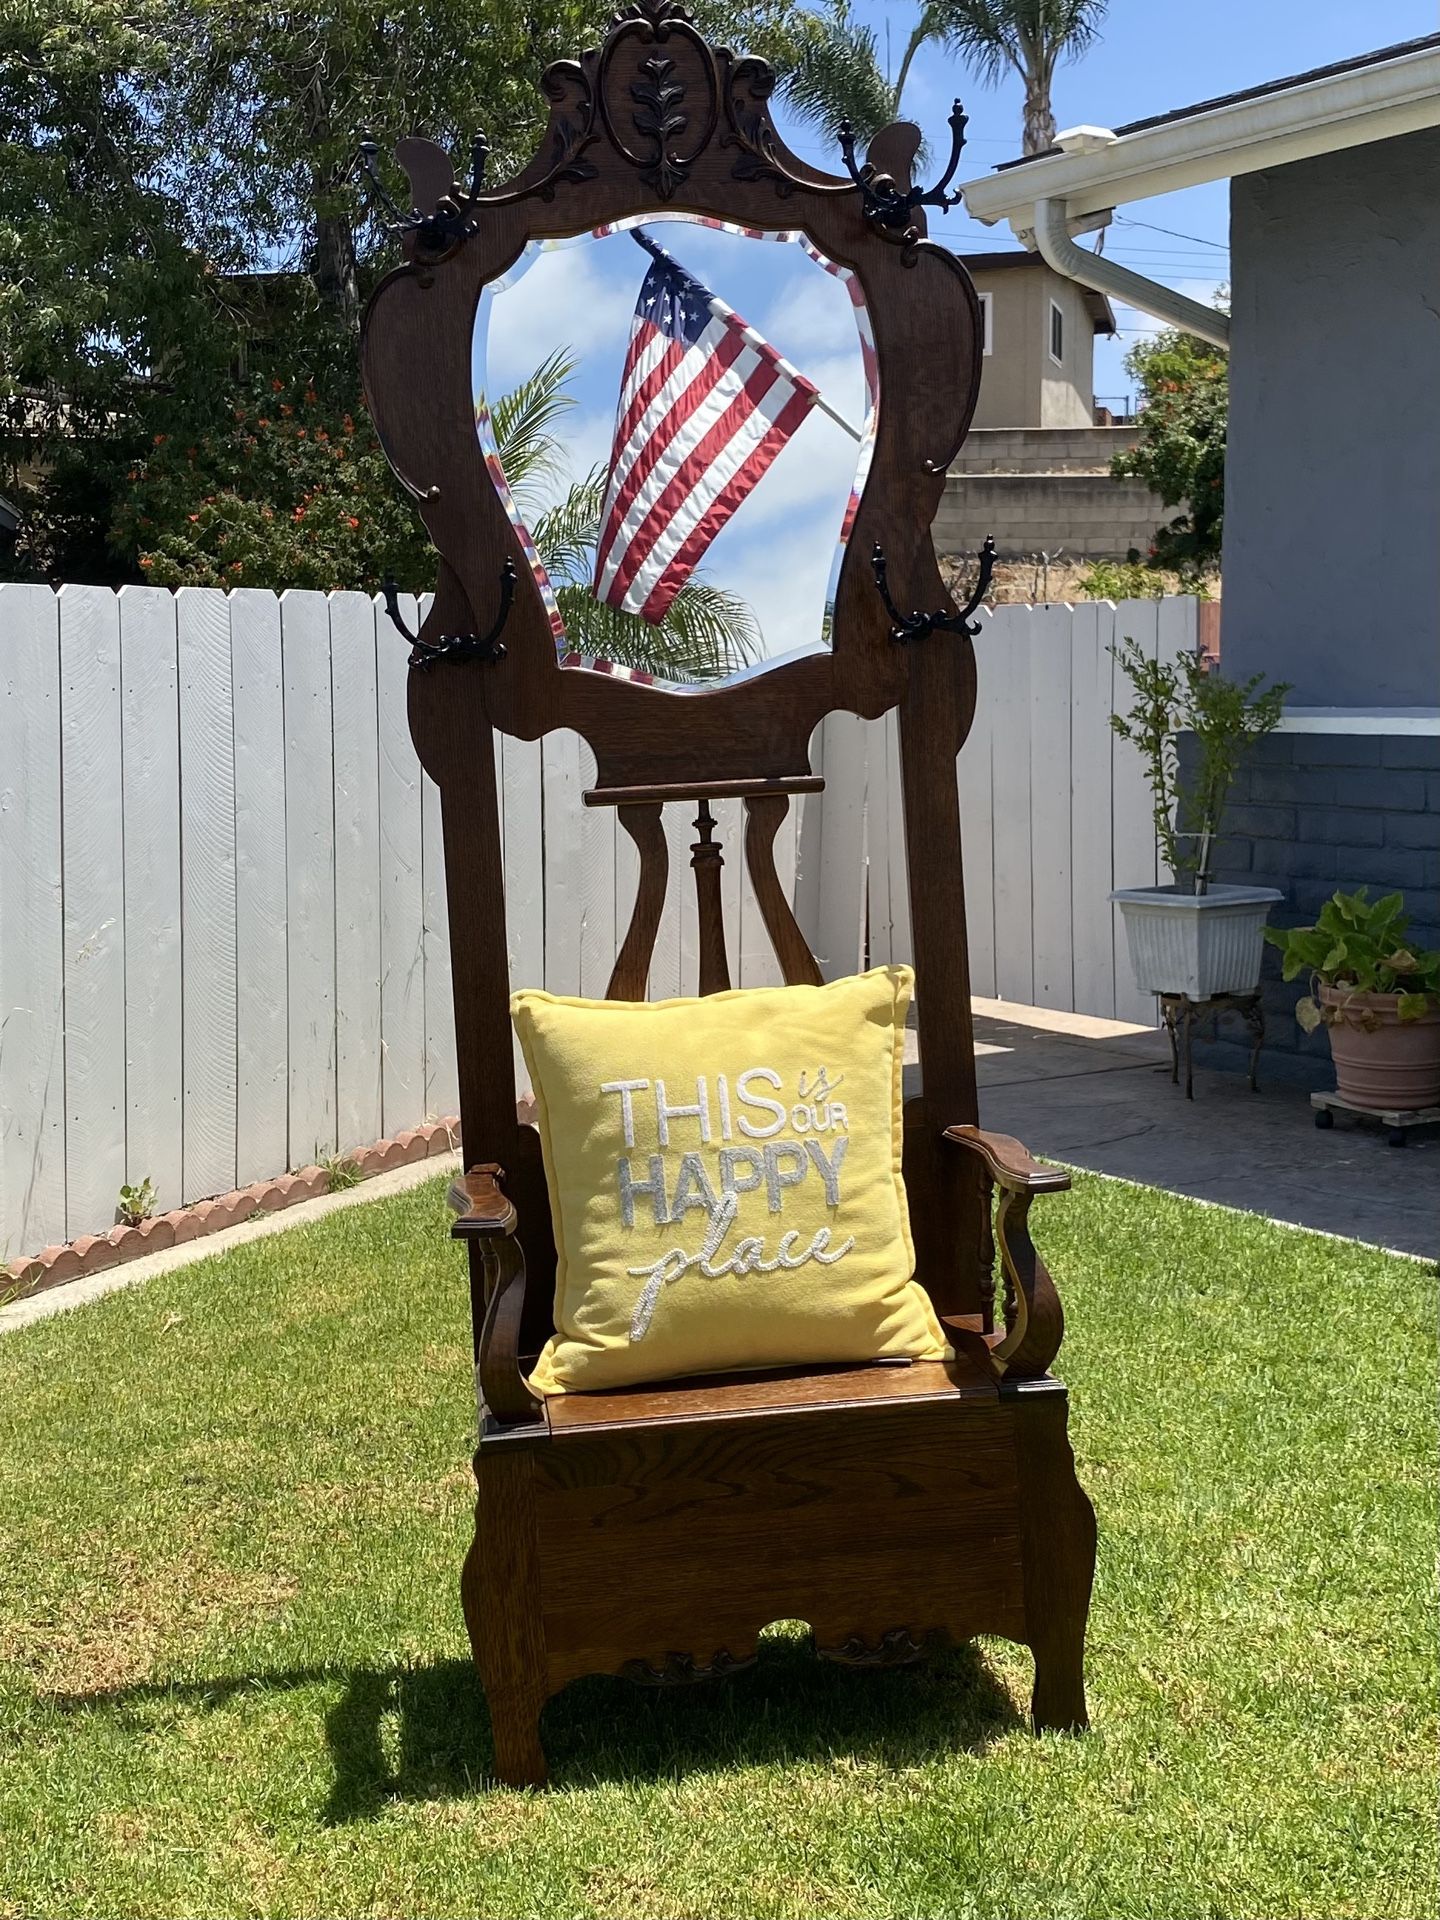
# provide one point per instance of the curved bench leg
(1058, 1549)
(501, 1598)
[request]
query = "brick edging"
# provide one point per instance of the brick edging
(95, 1252)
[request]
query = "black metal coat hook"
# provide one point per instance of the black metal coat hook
(455, 646)
(453, 218)
(886, 203)
(915, 626)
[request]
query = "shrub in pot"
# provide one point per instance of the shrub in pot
(1377, 997)
(1195, 936)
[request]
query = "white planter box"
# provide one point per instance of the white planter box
(1196, 944)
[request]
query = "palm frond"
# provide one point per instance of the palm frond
(707, 633)
(1029, 36)
(565, 534)
(524, 422)
(837, 75)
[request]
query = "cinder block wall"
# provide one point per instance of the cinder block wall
(1314, 812)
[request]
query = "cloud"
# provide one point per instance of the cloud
(811, 318)
(565, 299)
(786, 580)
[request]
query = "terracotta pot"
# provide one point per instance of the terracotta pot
(1381, 1061)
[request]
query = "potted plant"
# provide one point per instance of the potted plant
(1194, 937)
(1376, 995)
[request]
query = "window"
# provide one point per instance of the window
(987, 322)
(1057, 335)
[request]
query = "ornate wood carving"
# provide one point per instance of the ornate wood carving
(897, 1648)
(683, 1670)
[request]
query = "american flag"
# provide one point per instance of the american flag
(705, 406)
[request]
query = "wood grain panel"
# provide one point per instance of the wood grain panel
(150, 804)
(94, 893)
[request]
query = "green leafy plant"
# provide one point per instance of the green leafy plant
(1184, 386)
(136, 1203)
(341, 1173)
(1225, 718)
(1359, 944)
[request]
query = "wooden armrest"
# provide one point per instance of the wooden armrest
(488, 1219)
(1034, 1322)
(1008, 1163)
(482, 1204)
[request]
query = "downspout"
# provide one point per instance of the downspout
(1058, 250)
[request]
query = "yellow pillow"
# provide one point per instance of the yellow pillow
(725, 1181)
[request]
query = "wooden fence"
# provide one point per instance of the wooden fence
(223, 944)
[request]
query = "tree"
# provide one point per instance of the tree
(837, 74)
(178, 196)
(1184, 384)
(1028, 37)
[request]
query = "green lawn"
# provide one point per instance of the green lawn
(235, 1680)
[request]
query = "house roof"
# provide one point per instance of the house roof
(1374, 96)
(9, 516)
(1096, 304)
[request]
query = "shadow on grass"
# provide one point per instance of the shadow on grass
(422, 1733)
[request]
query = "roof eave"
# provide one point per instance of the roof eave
(1322, 116)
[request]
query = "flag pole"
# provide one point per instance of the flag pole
(720, 311)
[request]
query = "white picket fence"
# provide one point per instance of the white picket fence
(223, 944)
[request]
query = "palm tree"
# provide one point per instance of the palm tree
(836, 73)
(1030, 36)
(707, 632)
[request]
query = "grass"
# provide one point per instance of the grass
(234, 1680)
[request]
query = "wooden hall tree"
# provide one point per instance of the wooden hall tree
(654, 1532)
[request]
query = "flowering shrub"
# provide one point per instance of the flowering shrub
(296, 494)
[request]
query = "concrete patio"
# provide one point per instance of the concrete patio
(1097, 1094)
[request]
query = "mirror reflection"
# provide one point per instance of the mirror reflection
(679, 417)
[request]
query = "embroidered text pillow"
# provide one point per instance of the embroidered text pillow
(724, 1178)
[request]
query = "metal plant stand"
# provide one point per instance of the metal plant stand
(1180, 1013)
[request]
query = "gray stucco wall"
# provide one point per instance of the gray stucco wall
(1311, 813)
(1332, 504)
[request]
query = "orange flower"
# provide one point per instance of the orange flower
(351, 521)
(146, 561)
(299, 513)
(160, 439)
(285, 409)
(277, 386)
(300, 433)
(310, 396)
(193, 518)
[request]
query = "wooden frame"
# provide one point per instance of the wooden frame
(648, 1532)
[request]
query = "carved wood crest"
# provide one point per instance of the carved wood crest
(657, 120)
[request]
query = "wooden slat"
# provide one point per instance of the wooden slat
(442, 1087)
(976, 822)
(840, 929)
(902, 948)
(1134, 833)
(593, 833)
(526, 892)
(1010, 803)
(32, 954)
(680, 832)
(1091, 856)
(262, 1092)
(357, 864)
(207, 881)
(879, 920)
(94, 895)
(402, 885)
(1051, 815)
(154, 988)
(310, 874)
(563, 781)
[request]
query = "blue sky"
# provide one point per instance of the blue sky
(1154, 55)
